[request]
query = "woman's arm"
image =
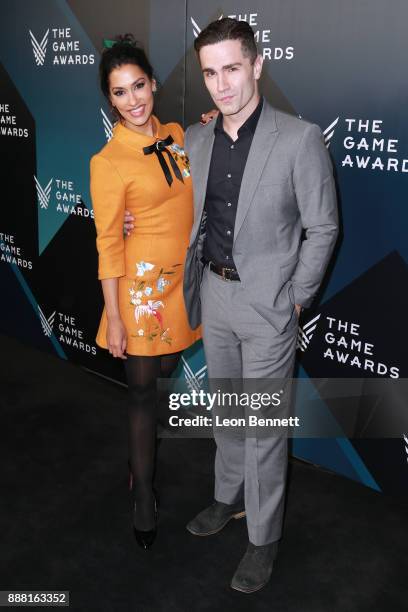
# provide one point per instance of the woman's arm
(108, 199)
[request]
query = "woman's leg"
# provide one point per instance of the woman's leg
(141, 374)
(168, 363)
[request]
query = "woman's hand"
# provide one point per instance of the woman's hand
(116, 337)
(128, 223)
(207, 117)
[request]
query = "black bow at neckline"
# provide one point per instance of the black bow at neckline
(158, 148)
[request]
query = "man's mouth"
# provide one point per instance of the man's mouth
(225, 99)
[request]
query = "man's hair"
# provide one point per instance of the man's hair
(228, 29)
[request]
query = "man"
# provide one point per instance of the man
(261, 180)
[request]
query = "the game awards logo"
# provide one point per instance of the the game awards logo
(194, 380)
(47, 324)
(305, 333)
(43, 193)
(263, 36)
(107, 125)
(65, 49)
(328, 133)
(39, 48)
(63, 198)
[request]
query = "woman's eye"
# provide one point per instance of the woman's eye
(140, 85)
(118, 93)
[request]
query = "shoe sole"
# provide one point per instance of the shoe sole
(242, 590)
(236, 516)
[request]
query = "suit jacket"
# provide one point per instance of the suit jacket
(287, 187)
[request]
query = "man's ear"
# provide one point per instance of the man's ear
(258, 66)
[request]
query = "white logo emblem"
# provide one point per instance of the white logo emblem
(329, 131)
(305, 333)
(196, 27)
(47, 324)
(107, 124)
(194, 380)
(39, 48)
(406, 445)
(43, 195)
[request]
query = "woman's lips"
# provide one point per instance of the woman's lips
(137, 112)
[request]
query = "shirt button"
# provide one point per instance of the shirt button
(228, 203)
(227, 257)
(229, 175)
(232, 146)
(228, 232)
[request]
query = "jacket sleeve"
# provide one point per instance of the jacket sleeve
(316, 199)
(108, 202)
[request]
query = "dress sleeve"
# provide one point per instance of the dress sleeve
(108, 202)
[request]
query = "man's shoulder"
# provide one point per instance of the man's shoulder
(285, 121)
(197, 131)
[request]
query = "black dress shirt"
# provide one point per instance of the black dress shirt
(224, 183)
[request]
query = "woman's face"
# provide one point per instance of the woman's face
(131, 92)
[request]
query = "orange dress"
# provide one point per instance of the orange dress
(149, 264)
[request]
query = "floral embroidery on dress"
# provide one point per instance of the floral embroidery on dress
(149, 310)
(180, 154)
(142, 267)
(161, 283)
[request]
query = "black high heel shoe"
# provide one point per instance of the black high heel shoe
(145, 538)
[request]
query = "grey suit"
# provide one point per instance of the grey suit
(250, 327)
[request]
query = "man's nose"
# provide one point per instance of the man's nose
(222, 83)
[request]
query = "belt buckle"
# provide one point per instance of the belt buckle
(224, 270)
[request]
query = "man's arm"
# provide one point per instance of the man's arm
(316, 198)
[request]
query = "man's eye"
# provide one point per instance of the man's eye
(210, 74)
(232, 69)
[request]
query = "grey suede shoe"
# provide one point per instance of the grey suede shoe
(215, 517)
(255, 568)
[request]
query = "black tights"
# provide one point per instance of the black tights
(141, 374)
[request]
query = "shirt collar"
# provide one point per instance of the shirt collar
(250, 124)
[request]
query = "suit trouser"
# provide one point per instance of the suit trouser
(239, 343)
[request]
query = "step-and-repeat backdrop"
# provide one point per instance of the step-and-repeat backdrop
(340, 64)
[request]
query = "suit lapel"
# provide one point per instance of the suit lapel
(264, 140)
(200, 171)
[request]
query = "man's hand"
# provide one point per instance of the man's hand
(207, 117)
(128, 223)
(298, 309)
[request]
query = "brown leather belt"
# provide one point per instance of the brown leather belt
(230, 274)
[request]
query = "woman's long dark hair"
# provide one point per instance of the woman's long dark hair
(124, 50)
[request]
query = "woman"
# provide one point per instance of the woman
(143, 169)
